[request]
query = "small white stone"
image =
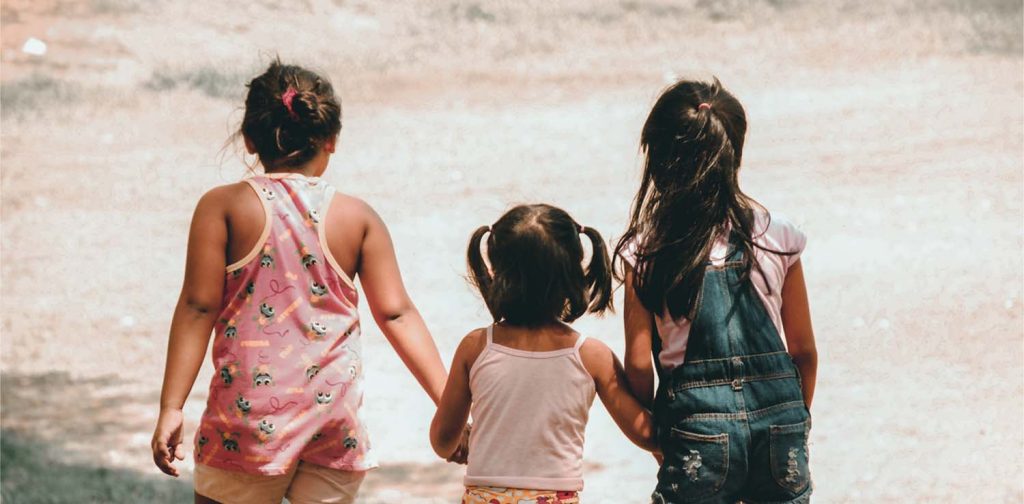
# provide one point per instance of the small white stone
(140, 439)
(1009, 303)
(41, 201)
(127, 321)
(455, 175)
(858, 322)
(883, 323)
(107, 138)
(985, 204)
(34, 47)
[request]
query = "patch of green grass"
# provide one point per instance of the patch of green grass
(35, 92)
(33, 472)
(213, 82)
(116, 7)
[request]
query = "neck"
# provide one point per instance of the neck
(312, 168)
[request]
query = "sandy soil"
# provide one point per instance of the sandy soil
(891, 133)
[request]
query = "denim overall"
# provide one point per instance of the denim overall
(731, 419)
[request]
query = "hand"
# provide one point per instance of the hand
(461, 454)
(166, 442)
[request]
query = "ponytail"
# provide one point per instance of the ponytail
(478, 272)
(598, 277)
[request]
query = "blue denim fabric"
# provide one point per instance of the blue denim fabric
(731, 419)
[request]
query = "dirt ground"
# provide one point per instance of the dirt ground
(891, 132)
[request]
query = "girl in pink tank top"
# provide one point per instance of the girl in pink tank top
(270, 270)
(529, 380)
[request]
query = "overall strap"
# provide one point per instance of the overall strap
(735, 247)
(490, 335)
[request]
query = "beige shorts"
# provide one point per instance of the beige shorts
(304, 484)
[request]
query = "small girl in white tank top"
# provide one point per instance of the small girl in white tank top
(529, 379)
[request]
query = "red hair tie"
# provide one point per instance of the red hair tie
(287, 98)
(704, 106)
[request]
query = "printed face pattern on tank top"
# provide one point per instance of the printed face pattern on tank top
(287, 353)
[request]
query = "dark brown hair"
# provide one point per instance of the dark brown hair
(286, 137)
(693, 144)
(536, 275)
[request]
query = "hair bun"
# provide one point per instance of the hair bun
(307, 108)
(289, 112)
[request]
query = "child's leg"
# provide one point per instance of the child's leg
(220, 486)
(315, 484)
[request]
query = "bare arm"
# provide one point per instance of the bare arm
(192, 323)
(796, 320)
(639, 324)
(449, 424)
(610, 380)
(394, 311)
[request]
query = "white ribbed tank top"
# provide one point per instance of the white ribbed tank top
(530, 412)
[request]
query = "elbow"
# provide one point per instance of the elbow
(805, 357)
(639, 366)
(199, 307)
(395, 314)
(442, 444)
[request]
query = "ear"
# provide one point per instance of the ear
(249, 146)
(331, 144)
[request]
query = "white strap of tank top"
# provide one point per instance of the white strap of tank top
(490, 334)
(579, 342)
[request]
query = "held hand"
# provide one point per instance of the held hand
(166, 442)
(461, 454)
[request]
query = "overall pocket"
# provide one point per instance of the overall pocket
(695, 466)
(789, 456)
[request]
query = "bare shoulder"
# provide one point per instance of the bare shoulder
(224, 193)
(222, 197)
(352, 210)
(471, 346)
(597, 357)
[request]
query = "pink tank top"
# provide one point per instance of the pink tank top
(530, 411)
(286, 349)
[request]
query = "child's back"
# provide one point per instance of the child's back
(286, 342)
(711, 288)
(540, 399)
(270, 270)
(529, 380)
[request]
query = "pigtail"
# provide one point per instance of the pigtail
(598, 278)
(479, 275)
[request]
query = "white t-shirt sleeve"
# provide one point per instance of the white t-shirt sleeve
(628, 254)
(786, 237)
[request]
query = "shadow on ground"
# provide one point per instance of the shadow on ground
(68, 439)
(33, 471)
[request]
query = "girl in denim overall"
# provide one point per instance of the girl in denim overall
(713, 285)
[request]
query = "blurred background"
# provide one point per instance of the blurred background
(891, 132)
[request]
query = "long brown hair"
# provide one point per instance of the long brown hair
(693, 144)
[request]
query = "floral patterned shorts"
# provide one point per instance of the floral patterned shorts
(496, 495)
